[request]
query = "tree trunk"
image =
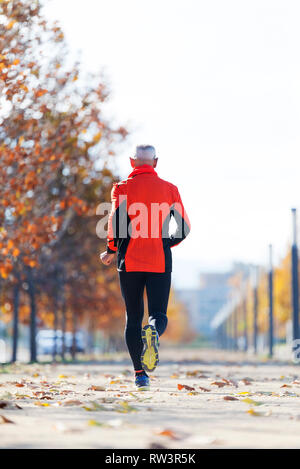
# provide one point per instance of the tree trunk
(63, 328)
(63, 307)
(16, 302)
(74, 321)
(55, 304)
(31, 292)
(91, 336)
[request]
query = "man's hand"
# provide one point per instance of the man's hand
(106, 258)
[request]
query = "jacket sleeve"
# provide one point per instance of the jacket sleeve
(112, 240)
(182, 220)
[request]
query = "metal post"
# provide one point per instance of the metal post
(245, 325)
(255, 310)
(271, 302)
(232, 332)
(227, 334)
(295, 284)
(234, 315)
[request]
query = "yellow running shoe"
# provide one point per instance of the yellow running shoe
(149, 356)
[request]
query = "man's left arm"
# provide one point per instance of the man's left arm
(111, 246)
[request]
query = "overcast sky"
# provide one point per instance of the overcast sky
(215, 86)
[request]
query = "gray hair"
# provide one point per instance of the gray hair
(145, 152)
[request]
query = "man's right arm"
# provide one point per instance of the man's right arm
(182, 221)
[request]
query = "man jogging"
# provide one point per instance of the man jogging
(138, 231)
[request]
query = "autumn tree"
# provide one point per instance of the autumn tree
(282, 294)
(179, 328)
(52, 136)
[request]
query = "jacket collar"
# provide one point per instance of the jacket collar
(143, 169)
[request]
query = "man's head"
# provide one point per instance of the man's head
(145, 154)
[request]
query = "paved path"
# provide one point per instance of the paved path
(232, 404)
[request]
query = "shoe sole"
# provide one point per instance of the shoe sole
(143, 388)
(150, 352)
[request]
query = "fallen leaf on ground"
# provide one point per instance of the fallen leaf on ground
(42, 396)
(204, 389)
(5, 420)
(259, 414)
(252, 402)
(231, 382)
(184, 386)
(71, 402)
(168, 433)
(247, 381)
(125, 408)
(96, 388)
(94, 406)
(220, 384)
(41, 404)
(9, 405)
(94, 423)
(192, 373)
(230, 398)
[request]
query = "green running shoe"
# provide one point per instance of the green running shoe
(142, 382)
(149, 356)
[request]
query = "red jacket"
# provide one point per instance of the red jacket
(138, 226)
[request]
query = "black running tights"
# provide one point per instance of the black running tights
(158, 289)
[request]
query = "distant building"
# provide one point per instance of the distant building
(204, 302)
